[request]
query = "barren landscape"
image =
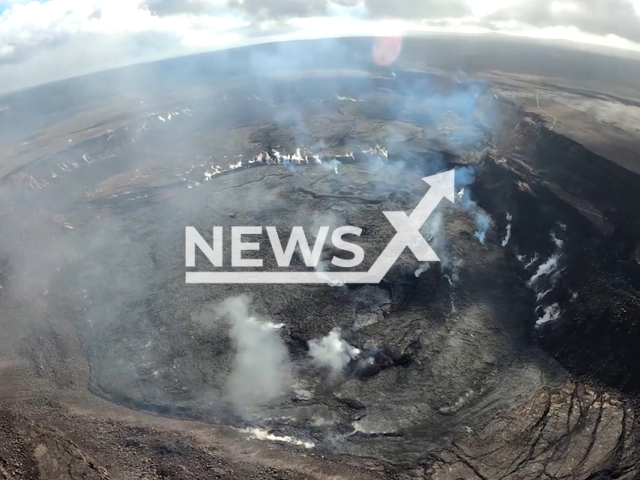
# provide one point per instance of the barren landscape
(515, 357)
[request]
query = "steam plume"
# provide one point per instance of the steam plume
(261, 368)
(465, 177)
(332, 351)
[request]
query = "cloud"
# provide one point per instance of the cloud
(165, 8)
(281, 9)
(27, 29)
(408, 9)
(41, 42)
(174, 7)
(419, 9)
(598, 17)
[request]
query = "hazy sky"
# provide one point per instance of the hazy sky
(48, 39)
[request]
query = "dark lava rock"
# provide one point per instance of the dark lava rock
(459, 370)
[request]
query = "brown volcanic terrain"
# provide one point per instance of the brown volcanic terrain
(516, 357)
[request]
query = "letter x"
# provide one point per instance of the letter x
(408, 227)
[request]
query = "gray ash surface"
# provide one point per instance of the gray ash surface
(513, 357)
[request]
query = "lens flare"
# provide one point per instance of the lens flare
(386, 50)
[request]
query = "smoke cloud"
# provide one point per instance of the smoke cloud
(262, 369)
(465, 177)
(332, 351)
(483, 223)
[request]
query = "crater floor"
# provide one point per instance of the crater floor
(513, 357)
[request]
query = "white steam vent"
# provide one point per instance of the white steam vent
(332, 351)
(261, 368)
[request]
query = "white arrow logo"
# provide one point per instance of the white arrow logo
(407, 236)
